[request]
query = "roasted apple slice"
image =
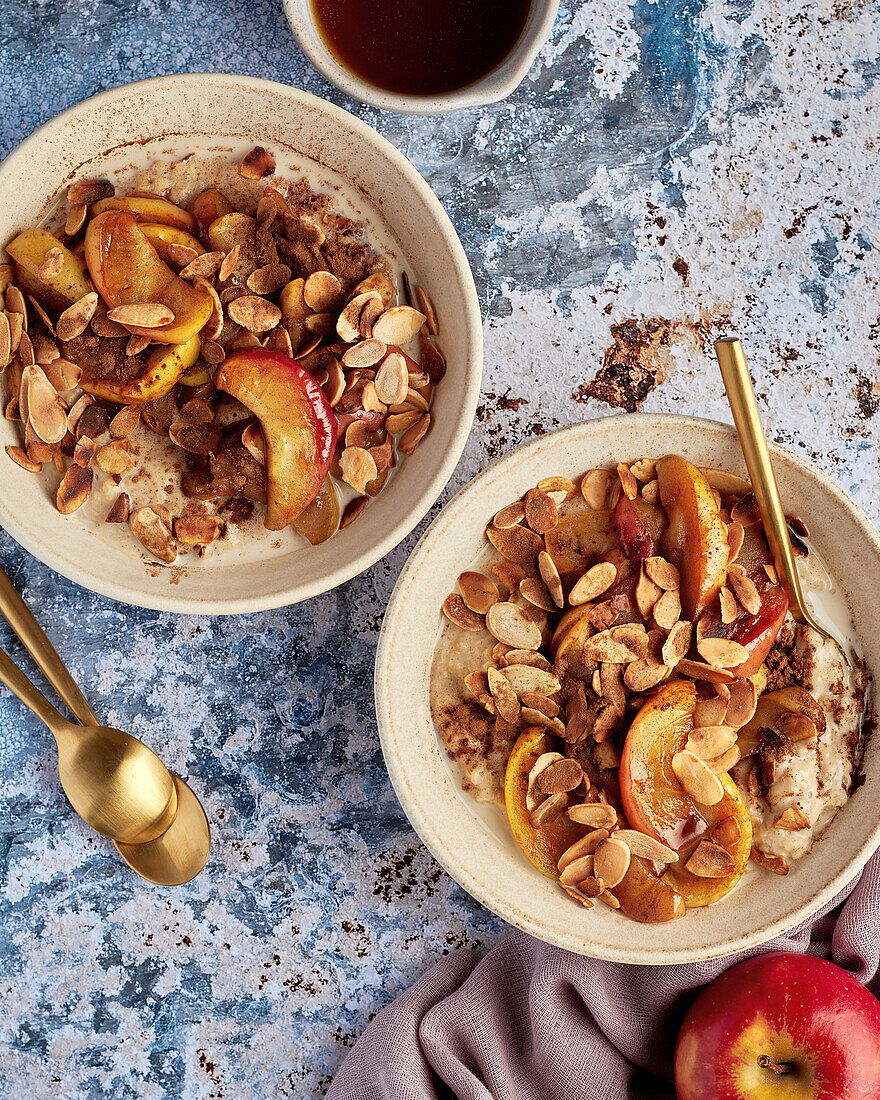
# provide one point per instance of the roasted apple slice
(161, 237)
(580, 539)
(297, 421)
(696, 540)
(543, 847)
(55, 293)
(645, 897)
(655, 802)
(758, 630)
(126, 269)
(321, 518)
(208, 207)
(640, 527)
(112, 375)
(148, 208)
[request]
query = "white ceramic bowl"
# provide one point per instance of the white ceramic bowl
(478, 850)
(210, 113)
(497, 84)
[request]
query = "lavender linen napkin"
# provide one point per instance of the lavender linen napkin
(533, 1022)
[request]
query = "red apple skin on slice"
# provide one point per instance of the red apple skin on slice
(696, 540)
(297, 421)
(126, 269)
(640, 527)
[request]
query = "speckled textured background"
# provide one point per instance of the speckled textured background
(668, 171)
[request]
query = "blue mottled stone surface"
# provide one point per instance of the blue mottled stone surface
(668, 171)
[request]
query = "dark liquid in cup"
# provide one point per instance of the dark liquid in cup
(421, 47)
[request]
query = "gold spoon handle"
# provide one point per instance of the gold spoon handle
(741, 395)
(12, 676)
(21, 619)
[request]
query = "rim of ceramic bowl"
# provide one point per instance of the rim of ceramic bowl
(410, 742)
(164, 598)
(504, 79)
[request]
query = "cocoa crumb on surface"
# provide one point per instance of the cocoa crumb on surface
(784, 663)
(631, 368)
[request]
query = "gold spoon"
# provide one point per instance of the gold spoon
(178, 854)
(741, 395)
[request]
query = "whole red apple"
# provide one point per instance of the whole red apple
(781, 1027)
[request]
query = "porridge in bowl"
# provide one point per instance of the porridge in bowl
(213, 351)
(620, 672)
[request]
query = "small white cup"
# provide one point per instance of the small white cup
(498, 84)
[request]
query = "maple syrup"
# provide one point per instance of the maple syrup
(421, 47)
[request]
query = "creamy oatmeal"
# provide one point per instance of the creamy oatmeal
(639, 705)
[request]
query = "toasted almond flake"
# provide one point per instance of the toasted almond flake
(84, 451)
(588, 844)
(646, 847)
(535, 591)
(367, 353)
(182, 254)
(605, 647)
(526, 679)
(258, 164)
(197, 529)
(269, 278)
(76, 412)
(76, 219)
(478, 591)
(742, 704)
(411, 438)
(651, 492)
(726, 761)
(548, 811)
(595, 815)
(796, 727)
(370, 399)
(557, 484)
(214, 326)
(611, 685)
(45, 350)
(541, 514)
(644, 674)
(26, 350)
(663, 573)
(526, 657)
(518, 544)
(73, 492)
(477, 684)
(710, 861)
(358, 467)
(369, 315)
(5, 341)
(667, 609)
(204, 266)
(84, 192)
(540, 702)
(113, 458)
(392, 378)
(711, 711)
(697, 779)
(149, 527)
(576, 870)
(510, 515)
(455, 609)
(253, 313)
(533, 796)
(710, 742)
(725, 832)
(16, 329)
(427, 308)
(595, 486)
(120, 510)
(611, 861)
(46, 412)
(744, 589)
(51, 265)
(15, 303)
(229, 263)
(398, 325)
(21, 458)
(550, 576)
(696, 670)
(432, 360)
(402, 422)
(727, 603)
(136, 344)
(348, 324)
(746, 512)
(593, 583)
(645, 469)
(322, 291)
(142, 315)
(628, 483)
(508, 623)
(772, 575)
(721, 652)
(560, 776)
(776, 864)
(351, 512)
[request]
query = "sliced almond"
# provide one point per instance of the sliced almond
(505, 698)
(392, 379)
(73, 492)
(478, 591)
(518, 544)
(725, 832)
(535, 592)
(21, 458)
(710, 742)
(586, 846)
(142, 315)
(229, 263)
(746, 512)
(541, 514)
(427, 307)
(90, 190)
(546, 706)
(727, 603)
(204, 266)
(595, 487)
(513, 657)
(114, 458)
(432, 361)
(46, 412)
(611, 683)
(726, 761)
(26, 350)
(378, 283)
(76, 218)
(662, 573)
(348, 324)
(646, 847)
(593, 583)
(548, 811)
(744, 589)
(63, 374)
(742, 703)
(772, 575)
(258, 164)
(710, 861)
(528, 679)
(611, 861)
(197, 529)
(149, 527)
(398, 325)
(628, 483)
(735, 536)
(796, 727)
(776, 864)
(510, 515)
(533, 717)
(696, 670)
(84, 451)
(651, 492)
(509, 623)
(136, 344)
(268, 279)
(358, 467)
(560, 776)
(413, 435)
(711, 711)
(667, 609)
(253, 313)
(455, 609)
(51, 265)
(75, 319)
(322, 291)
(550, 577)
(697, 779)
(722, 652)
(647, 594)
(596, 815)
(367, 353)
(644, 674)
(576, 870)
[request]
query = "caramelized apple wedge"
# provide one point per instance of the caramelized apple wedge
(161, 237)
(54, 293)
(543, 847)
(148, 208)
(640, 527)
(656, 804)
(126, 269)
(696, 540)
(645, 897)
(298, 425)
(112, 375)
(580, 539)
(321, 518)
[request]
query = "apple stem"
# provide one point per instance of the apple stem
(766, 1062)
